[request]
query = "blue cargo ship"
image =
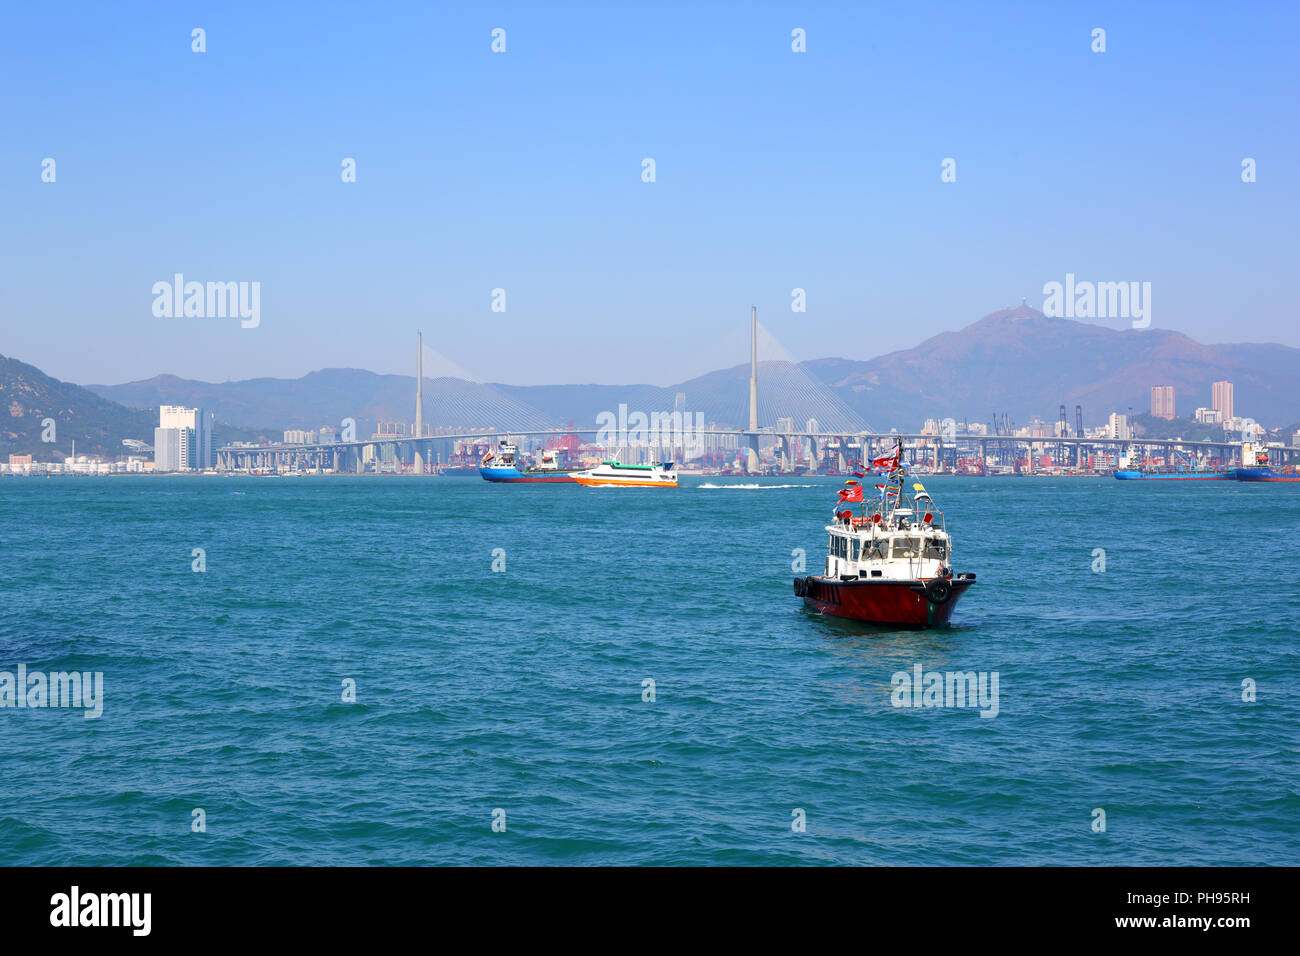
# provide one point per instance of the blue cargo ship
(1129, 474)
(1255, 467)
(503, 465)
(1265, 473)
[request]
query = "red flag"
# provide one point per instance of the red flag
(885, 461)
(851, 494)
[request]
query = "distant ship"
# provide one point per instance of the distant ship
(1151, 475)
(1266, 474)
(613, 474)
(503, 465)
(1256, 467)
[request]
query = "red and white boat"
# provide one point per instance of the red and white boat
(891, 561)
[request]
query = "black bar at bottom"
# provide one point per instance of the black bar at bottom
(334, 906)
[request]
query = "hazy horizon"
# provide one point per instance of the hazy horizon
(433, 370)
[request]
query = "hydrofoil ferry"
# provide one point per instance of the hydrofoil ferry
(613, 474)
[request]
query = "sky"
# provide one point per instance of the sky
(522, 170)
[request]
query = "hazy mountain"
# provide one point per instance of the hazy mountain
(329, 396)
(1015, 361)
(1020, 362)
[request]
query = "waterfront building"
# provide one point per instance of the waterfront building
(171, 449)
(197, 443)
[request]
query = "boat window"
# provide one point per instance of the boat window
(936, 548)
(906, 547)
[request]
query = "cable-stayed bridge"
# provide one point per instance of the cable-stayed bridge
(783, 403)
(845, 448)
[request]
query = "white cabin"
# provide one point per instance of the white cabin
(905, 544)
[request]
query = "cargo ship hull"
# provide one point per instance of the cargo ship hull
(1174, 476)
(1264, 474)
(512, 476)
(910, 604)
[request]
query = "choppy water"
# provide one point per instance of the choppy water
(522, 690)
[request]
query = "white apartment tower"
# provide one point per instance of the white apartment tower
(190, 447)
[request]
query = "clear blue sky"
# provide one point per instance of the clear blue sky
(522, 170)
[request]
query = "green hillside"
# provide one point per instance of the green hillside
(29, 397)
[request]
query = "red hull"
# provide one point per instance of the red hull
(897, 603)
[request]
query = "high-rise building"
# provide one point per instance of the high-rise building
(1221, 399)
(1162, 401)
(1118, 427)
(171, 449)
(197, 443)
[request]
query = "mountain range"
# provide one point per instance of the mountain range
(1023, 363)
(1016, 361)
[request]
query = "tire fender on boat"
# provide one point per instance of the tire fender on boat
(938, 591)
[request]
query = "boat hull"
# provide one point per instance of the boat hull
(515, 476)
(875, 601)
(623, 483)
(1262, 474)
(1174, 476)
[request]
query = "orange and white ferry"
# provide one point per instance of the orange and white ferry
(613, 474)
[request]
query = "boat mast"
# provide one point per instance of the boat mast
(752, 462)
(419, 402)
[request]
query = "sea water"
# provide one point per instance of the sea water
(329, 670)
